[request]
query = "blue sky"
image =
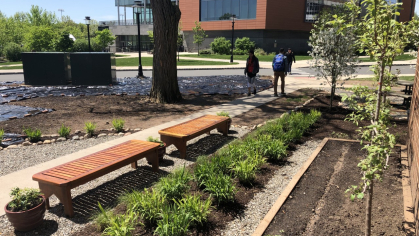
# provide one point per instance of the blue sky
(77, 9)
(99, 10)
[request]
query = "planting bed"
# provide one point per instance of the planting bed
(318, 204)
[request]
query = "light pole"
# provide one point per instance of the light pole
(87, 21)
(61, 10)
(233, 17)
(137, 4)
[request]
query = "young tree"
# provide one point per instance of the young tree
(64, 43)
(199, 34)
(333, 47)
(104, 39)
(165, 88)
(40, 38)
(382, 38)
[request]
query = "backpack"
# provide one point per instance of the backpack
(279, 63)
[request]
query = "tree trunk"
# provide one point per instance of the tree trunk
(198, 49)
(165, 88)
(369, 209)
(332, 95)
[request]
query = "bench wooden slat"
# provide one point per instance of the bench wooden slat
(61, 179)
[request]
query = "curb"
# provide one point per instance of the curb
(409, 217)
(307, 67)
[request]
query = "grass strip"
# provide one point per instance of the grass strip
(148, 61)
(11, 67)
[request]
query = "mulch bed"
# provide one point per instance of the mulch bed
(318, 204)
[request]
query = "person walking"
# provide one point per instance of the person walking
(252, 68)
(280, 68)
(290, 58)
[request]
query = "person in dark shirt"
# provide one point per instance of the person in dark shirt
(252, 68)
(290, 58)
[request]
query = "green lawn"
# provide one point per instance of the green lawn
(243, 57)
(11, 67)
(404, 57)
(148, 61)
(10, 63)
(407, 78)
(119, 55)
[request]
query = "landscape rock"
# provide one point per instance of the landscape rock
(53, 140)
(61, 139)
(121, 134)
(110, 134)
(25, 144)
(47, 142)
(102, 135)
(259, 125)
(54, 135)
(34, 144)
(40, 143)
(77, 132)
(81, 138)
(12, 147)
(76, 137)
(126, 134)
(137, 129)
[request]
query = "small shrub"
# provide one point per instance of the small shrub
(101, 219)
(119, 225)
(24, 199)
(174, 221)
(64, 131)
(1, 135)
(198, 209)
(245, 171)
(221, 187)
(118, 125)
(244, 44)
(221, 45)
(90, 128)
(223, 113)
(147, 204)
(260, 52)
(13, 51)
(237, 51)
(175, 184)
(221, 163)
(203, 170)
(155, 140)
(206, 51)
(33, 135)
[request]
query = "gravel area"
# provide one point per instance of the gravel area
(106, 189)
(262, 202)
(12, 160)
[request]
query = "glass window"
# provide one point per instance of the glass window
(224, 9)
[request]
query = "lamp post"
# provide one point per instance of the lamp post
(233, 17)
(137, 4)
(87, 21)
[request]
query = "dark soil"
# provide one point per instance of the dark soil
(318, 204)
(137, 111)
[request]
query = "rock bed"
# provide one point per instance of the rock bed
(262, 202)
(107, 188)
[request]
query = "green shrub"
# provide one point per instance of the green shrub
(1, 135)
(118, 225)
(221, 163)
(198, 209)
(204, 170)
(175, 184)
(101, 218)
(24, 199)
(81, 45)
(266, 146)
(174, 221)
(155, 140)
(90, 128)
(206, 51)
(260, 52)
(244, 44)
(221, 45)
(13, 51)
(223, 113)
(147, 204)
(221, 187)
(33, 135)
(64, 131)
(240, 52)
(118, 125)
(245, 171)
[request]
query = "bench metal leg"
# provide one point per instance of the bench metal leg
(63, 194)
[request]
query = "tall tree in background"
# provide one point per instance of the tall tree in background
(104, 39)
(199, 34)
(165, 88)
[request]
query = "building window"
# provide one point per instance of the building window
(213, 10)
(314, 7)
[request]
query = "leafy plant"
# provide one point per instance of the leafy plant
(223, 113)
(174, 221)
(101, 218)
(13, 51)
(1, 135)
(64, 131)
(155, 140)
(204, 170)
(198, 209)
(90, 128)
(221, 45)
(119, 225)
(33, 135)
(260, 52)
(118, 125)
(147, 204)
(199, 34)
(175, 184)
(244, 44)
(221, 187)
(245, 171)
(24, 199)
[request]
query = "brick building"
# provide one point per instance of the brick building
(286, 22)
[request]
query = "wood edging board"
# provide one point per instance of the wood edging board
(409, 218)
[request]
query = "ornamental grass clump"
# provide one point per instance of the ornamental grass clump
(223, 113)
(147, 204)
(118, 225)
(245, 171)
(221, 187)
(174, 185)
(90, 128)
(34, 135)
(118, 125)
(198, 208)
(174, 221)
(64, 131)
(24, 199)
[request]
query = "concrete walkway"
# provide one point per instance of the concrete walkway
(23, 178)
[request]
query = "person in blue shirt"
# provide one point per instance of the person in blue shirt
(280, 68)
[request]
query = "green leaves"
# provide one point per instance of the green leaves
(118, 125)
(64, 131)
(24, 199)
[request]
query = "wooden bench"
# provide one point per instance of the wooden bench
(61, 179)
(179, 134)
(406, 98)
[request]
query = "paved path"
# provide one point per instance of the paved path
(23, 178)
